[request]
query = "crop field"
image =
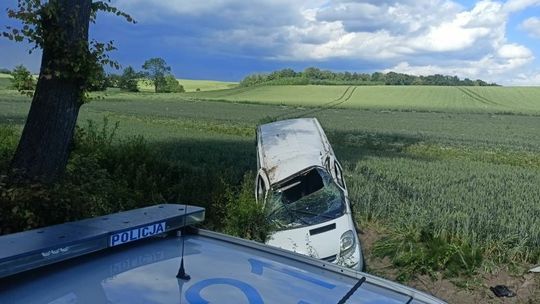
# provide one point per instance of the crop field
(4, 81)
(191, 85)
(454, 167)
(405, 98)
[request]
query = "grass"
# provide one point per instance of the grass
(455, 185)
(522, 100)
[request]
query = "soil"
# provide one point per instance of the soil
(458, 290)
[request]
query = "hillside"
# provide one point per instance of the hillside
(409, 98)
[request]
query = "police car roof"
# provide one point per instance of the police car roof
(223, 269)
(35, 248)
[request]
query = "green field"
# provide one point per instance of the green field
(4, 81)
(191, 85)
(405, 98)
(418, 160)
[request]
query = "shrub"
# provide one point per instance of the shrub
(244, 217)
(8, 143)
(105, 175)
(169, 84)
(129, 79)
(22, 79)
(419, 251)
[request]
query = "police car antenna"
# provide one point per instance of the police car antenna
(182, 275)
(353, 290)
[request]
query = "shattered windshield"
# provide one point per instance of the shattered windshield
(308, 199)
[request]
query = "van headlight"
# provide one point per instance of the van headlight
(347, 242)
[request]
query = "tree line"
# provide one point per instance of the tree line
(313, 75)
(155, 72)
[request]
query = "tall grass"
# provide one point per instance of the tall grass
(493, 208)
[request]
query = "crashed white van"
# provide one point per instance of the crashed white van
(301, 187)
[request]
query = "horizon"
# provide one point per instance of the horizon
(227, 40)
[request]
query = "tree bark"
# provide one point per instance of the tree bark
(43, 149)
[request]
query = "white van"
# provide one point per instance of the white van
(300, 185)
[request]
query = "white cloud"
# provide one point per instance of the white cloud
(405, 67)
(518, 5)
(417, 37)
(526, 79)
(514, 51)
(466, 29)
(492, 67)
(393, 16)
(532, 26)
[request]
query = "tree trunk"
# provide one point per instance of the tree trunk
(43, 149)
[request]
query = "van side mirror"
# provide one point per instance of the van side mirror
(261, 187)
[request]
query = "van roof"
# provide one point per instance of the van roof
(289, 146)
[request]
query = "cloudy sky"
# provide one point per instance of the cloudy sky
(227, 39)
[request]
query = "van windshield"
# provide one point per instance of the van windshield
(308, 199)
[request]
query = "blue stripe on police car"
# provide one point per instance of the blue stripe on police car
(136, 234)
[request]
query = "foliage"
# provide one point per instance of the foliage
(129, 80)
(107, 175)
(314, 75)
(98, 81)
(8, 141)
(42, 28)
(170, 85)
(156, 69)
(5, 71)
(22, 79)
(243, 217)
(113, 80)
